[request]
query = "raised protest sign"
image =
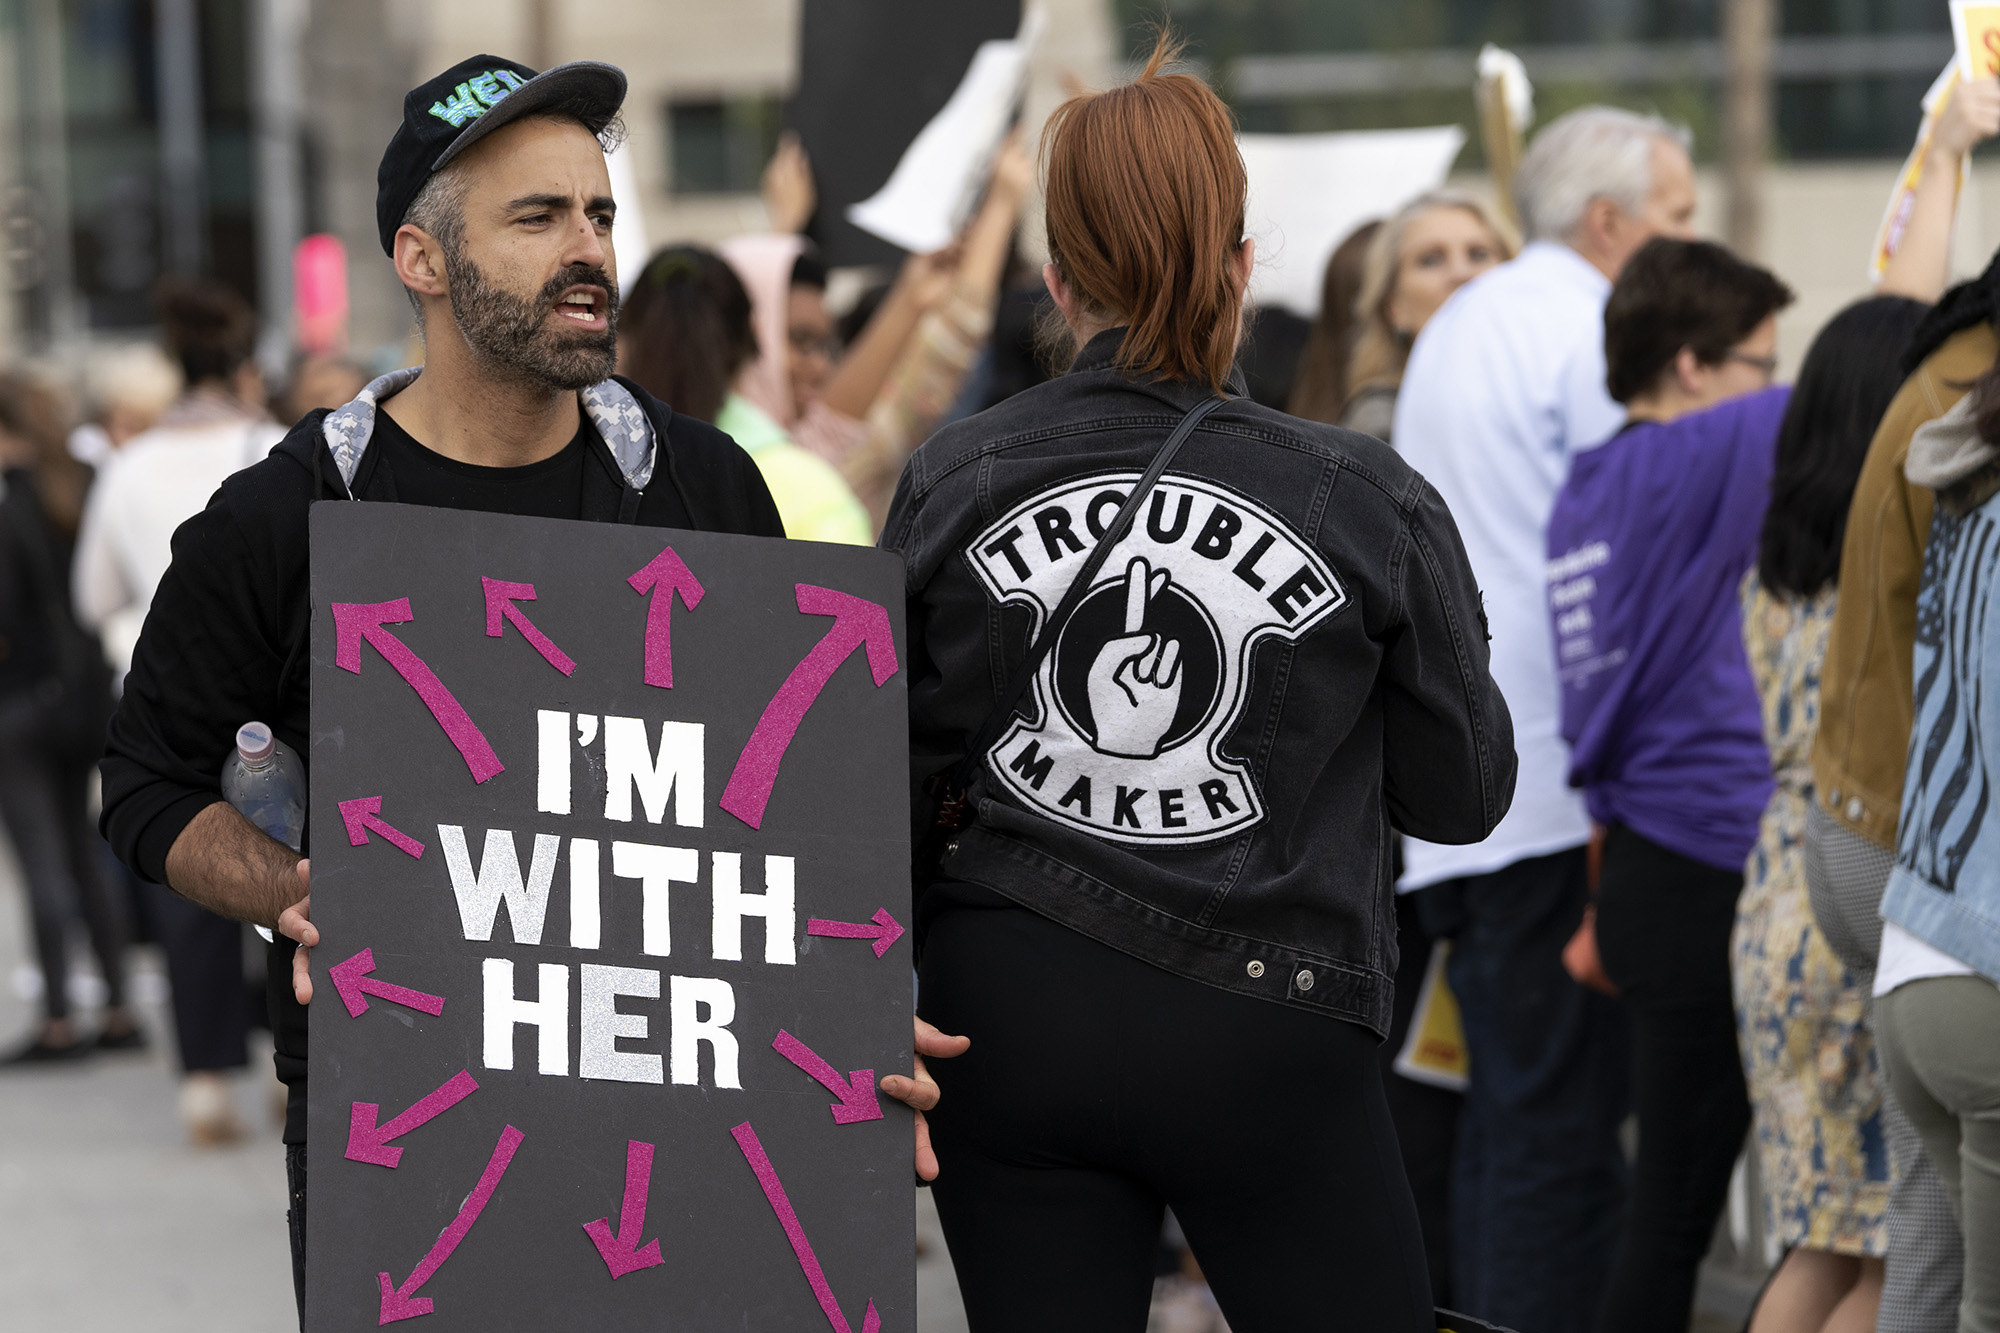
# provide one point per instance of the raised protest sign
(610, 838)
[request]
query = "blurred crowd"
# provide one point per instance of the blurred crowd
(1745, 887)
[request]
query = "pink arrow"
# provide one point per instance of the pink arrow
(767, 1176)
(885, 931)
(855, 623)
(403, 1302)
(857, 1092)
(355, 621)
(364, 813)
(665, 575)
(351, 979)
(622, 1253)
(500, 609)
(369, 1142)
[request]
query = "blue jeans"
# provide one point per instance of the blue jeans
(1539, 1184)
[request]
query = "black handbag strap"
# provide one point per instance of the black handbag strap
(1017, 688)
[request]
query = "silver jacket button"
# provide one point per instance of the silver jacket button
(1304, 980)
(1854, 807)
(1255, 968)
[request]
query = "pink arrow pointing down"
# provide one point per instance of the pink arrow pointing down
(622, 1253)
(351, 979)
(767, 1176)
(856, 623)
(885, 931)
(355, 621)
(500, 610)
(369, 1142)
(664, 576)
(403, 1302)
(364, 813)
(857, 1092)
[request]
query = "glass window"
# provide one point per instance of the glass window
(719, 146)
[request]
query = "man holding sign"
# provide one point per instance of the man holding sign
(495, 207)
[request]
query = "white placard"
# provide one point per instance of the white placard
(1308, 191)
(931, 191)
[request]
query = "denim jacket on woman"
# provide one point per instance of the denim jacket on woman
(1945, 888)
(1285, 657)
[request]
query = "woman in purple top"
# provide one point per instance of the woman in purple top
(1649, 539)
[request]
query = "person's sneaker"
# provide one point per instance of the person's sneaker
(41, 1052)
(209, 1111)
(131, 1038)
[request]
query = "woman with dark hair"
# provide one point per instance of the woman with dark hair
(1158, 903)
(55, 699)
(1648, 541)
(1815, 1085)
(159, 480)
(685, 335)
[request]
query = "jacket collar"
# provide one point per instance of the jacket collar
(612, 409)
(1101, 354)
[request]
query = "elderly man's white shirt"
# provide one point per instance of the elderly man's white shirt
(1506, 384)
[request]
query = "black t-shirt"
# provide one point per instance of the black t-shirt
(552, 488)
(226, 639)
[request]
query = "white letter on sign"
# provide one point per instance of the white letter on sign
(597, 1053)
(552, 759)
(776, 905)
(629, 763)
(689, 996)
(499, 876)
(584, 924)
(655, 868)
(550, 1015)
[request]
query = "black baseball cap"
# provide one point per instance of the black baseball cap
(448, 114)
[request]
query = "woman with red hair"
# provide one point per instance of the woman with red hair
(1179, 665)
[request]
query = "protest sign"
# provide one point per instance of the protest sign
(610, 836)
(1975, 31)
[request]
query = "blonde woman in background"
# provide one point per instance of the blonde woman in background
(1431, 247)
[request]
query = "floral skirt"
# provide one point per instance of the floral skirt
(1815, 1086)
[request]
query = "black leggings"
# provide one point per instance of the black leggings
(1663, 926)
(1100, 1090)
(43, 804)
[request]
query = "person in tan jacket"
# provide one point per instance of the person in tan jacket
(1858, 760)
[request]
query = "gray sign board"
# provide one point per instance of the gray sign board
(610, 837)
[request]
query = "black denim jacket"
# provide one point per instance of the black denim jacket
(1284, 658)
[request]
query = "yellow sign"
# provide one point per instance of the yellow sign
(1434, 1052)
(1975, 27)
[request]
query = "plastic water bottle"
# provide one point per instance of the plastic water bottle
(266, 783)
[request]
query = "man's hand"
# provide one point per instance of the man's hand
(921, 1093)
(295, 923)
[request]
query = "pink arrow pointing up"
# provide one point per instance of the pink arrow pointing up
(767, 1176)
(364, 813)
(351, 979)
(500, 610)
(369, 1142)
(885, 931)
(856, 1092)
(403, 1302)
(622, 1253)
(855, 623)
(664, 576)
(355, 621)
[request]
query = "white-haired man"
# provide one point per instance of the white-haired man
(1505, 384)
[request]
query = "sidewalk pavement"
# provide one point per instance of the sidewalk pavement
(110, 1221)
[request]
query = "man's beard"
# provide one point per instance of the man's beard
(511, 333)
